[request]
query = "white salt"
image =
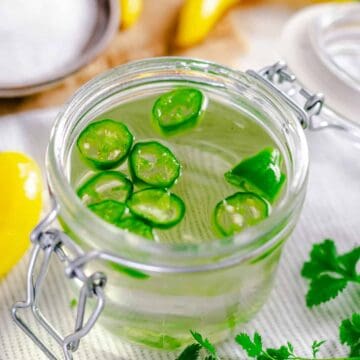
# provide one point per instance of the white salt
(38, 38)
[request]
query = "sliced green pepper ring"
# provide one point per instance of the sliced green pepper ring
(105, 144)
(158, 207)
(109, 210)
(239, 211)
(154, 164)
(106, 185)
(178, 110)
(260, 173)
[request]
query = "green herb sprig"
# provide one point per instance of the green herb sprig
(329, 272)
(204, 344)
(350, 334)
(254, 349)
(253, 346)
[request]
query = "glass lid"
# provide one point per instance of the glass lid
(321, 45)
(336, 39)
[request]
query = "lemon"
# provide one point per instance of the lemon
(20, 206)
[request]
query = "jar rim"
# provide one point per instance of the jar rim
(69, 203)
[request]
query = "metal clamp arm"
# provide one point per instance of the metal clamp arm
(278, 75)
(46, 244)
(309, 107)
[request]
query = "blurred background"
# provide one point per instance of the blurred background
(42, 42)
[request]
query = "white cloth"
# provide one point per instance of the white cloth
(331, 209)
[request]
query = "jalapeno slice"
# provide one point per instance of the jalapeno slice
(158, 207)
(260, 173)
(105, 143)
(154, 164)
(178, 110)
(239, 211)
(109, 210)
(106, 185)
(136, 226)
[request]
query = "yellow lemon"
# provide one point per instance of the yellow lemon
(130, 12)
(20, 206)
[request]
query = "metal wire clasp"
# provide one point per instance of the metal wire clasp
(48, 242)
(275, 76)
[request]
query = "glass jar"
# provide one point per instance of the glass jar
(210, 287)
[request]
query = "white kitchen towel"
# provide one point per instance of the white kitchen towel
(331, 209)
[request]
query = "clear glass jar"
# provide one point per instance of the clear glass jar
(210, 287)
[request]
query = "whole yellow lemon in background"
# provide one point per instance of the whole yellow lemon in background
(20, 206)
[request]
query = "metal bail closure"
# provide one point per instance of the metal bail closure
(49, 242)
(283, 82)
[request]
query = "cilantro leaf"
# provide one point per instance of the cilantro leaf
(191, 352)
(349, 261)
(264, 356)
(328, 272)
(324, 288)
(322, 257)
(315, 347)
(206, 344)
(350, 334)
(252, 347)
(282, 353)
